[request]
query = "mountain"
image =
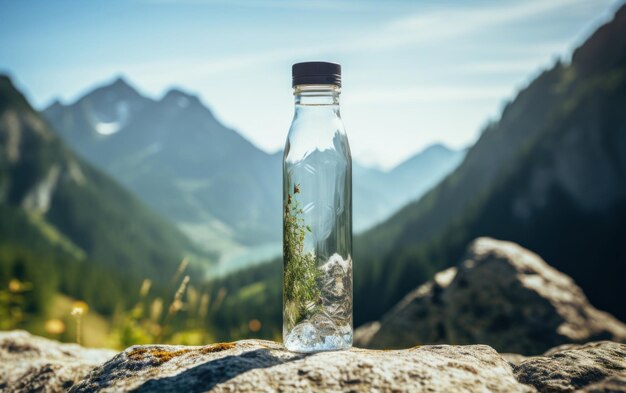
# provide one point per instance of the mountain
(378, 194)
(549, 175)
(66, 226)
(209, 180)
(220, 189)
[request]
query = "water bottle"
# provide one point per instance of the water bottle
(317, 215)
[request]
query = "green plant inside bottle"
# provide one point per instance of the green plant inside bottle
(302, 296)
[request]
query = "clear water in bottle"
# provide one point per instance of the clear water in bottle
(317, 216)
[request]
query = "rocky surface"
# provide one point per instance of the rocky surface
(501, 295)
(614, 384)
(254, 365)
(599, 366)
(29, 363)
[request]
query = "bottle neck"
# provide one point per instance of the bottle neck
(316, 122)
(323, 96)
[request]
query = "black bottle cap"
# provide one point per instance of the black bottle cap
(316, 73)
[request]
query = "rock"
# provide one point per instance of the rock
(365, 333)
(265, 366)
(614, 384)
(29, 363)
(501, 295)
(598, 366)
(513, 358)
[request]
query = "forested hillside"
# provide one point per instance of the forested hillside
(66, 227)
(549, 175)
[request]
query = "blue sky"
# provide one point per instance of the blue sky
(415, 73)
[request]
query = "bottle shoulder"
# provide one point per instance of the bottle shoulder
(316, 129)
(336, 150)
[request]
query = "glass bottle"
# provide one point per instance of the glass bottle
(317, 216)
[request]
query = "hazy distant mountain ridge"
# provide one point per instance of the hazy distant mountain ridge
(378, 194)
(208, 179)
(174, 154)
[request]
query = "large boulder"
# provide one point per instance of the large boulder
(265, 366)
(29, 363)
(34, 364)
(501, 295)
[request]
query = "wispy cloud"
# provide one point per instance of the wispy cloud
(438, 25)
(500, 66)
(274, 4)
(421, 94)
(456, 20)
(464, 56)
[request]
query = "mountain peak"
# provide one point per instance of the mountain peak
(118, 89)
(430, 152)
(10, 95)
(180, 98)
(434, 159)
(121, 85)
(121, 82)
(175, 93)
(55, 104)
(6, 84)
(437, 147)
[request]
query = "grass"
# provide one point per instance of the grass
(301, 293)
(58, 324)
(181, 318)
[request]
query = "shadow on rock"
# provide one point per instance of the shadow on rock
(205, 376)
